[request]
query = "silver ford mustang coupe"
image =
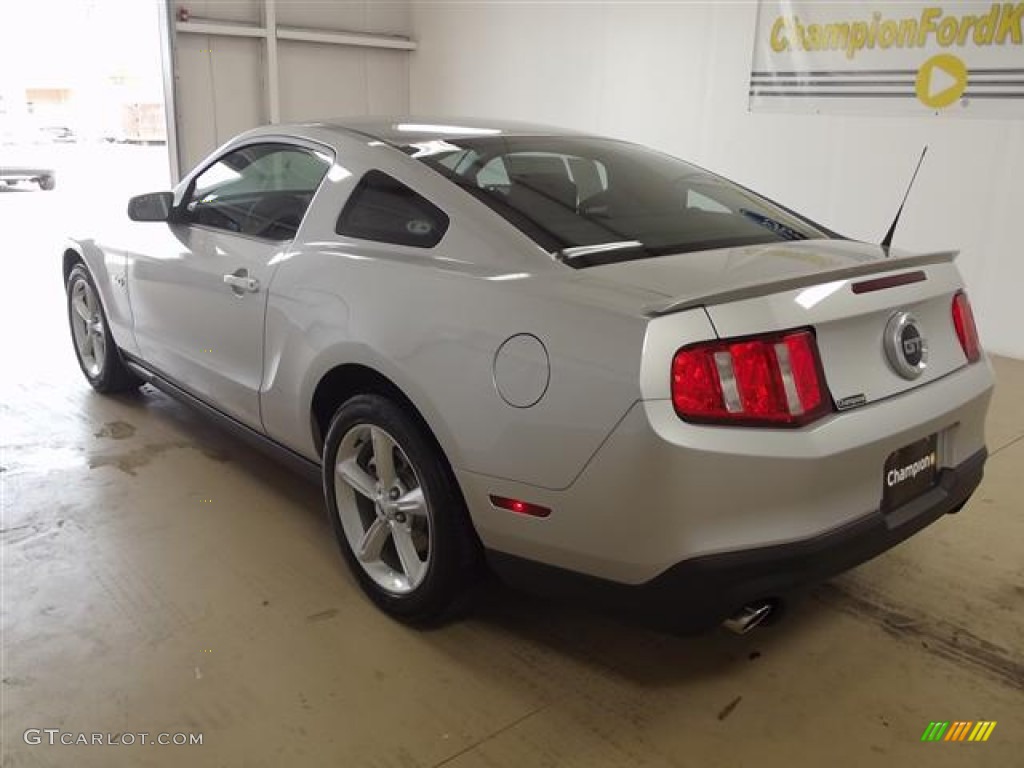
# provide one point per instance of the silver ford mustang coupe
(593, 369)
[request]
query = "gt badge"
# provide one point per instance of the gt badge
(905, 345)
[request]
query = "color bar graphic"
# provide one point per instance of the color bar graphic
(958, 730)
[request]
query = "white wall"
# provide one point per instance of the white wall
(675, 76)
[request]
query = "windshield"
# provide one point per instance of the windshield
(594, 201)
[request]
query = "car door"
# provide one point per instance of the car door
(199, 305)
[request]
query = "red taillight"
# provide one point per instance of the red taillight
(769, 380)
(966, 330)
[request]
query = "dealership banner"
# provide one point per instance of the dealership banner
(954, 58)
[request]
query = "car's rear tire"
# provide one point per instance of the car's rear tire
(397, 512)
(98, 355)
(47, 182)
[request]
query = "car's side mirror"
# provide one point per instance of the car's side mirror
(156, 206)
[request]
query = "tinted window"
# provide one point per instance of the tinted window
(262, 190)
(384, 209)
(594, 201)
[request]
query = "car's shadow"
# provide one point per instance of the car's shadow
(537, 627)
(623, 649)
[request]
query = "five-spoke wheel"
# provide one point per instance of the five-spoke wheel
(382, 508)
(87, 327)
(94, 344)
(397, 511)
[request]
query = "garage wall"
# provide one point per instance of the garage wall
(675, 76)
(221, 81)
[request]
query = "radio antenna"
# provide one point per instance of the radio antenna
(887, 240)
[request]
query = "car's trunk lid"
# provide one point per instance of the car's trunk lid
(831, 286)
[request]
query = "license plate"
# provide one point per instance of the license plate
(909, 472)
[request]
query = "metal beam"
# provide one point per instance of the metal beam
(166, 18)
(346, 38)
(273, 78)
(221, 28)
(356, 39)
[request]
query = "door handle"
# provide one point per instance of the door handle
(239, 280)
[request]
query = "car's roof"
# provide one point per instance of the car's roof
(403, 130)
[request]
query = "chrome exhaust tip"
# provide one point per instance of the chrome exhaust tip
(748, 617)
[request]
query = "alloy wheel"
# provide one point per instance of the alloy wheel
(383, 510)
(87, 328)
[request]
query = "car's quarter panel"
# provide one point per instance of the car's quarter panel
(434, 332)
(432, 321)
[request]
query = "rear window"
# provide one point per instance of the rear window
(595, 201)
(382, 208)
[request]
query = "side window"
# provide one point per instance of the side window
(261, 190)
(493, 174)
(384, 209)
(701, 202)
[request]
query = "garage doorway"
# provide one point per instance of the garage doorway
(81, 95)
(82, 128)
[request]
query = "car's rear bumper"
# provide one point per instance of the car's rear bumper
(660, 491)
(701, 592)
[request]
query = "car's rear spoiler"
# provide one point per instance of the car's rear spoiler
(763, 288)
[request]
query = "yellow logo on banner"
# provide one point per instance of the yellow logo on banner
(941, 81)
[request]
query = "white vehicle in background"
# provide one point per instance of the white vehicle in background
(20, 159)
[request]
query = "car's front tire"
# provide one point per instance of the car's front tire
(397, 512)
(98, 355)
(47, 182)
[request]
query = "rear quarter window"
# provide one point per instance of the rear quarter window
(383, 209)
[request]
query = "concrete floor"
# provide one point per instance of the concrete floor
(159, 576)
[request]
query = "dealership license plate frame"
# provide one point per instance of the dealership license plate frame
(908, 489)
